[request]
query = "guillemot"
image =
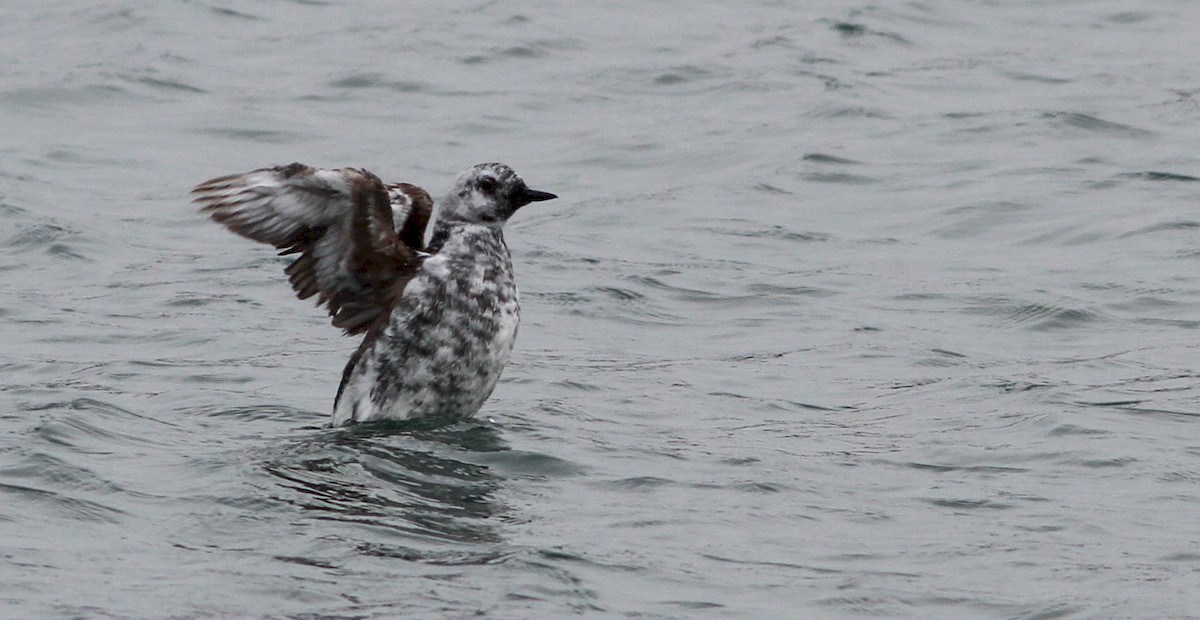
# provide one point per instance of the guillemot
(438, 321)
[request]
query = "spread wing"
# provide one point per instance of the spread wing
(339, 221)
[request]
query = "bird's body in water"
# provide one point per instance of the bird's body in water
(439, 321)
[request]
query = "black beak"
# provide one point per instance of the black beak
(533, 195)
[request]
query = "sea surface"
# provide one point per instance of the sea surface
(846, 310)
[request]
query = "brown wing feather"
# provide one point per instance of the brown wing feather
(339, 221)
(411, 208)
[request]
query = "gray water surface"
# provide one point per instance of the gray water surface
(846, 310)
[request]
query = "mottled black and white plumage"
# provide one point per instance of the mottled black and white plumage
(439, 321)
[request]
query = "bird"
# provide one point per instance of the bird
(438, 319)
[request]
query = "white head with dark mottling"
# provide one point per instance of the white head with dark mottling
(487, 194)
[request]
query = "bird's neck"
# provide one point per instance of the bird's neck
(457, 237)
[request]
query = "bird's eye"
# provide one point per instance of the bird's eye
(487, 184)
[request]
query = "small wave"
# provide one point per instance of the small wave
(1091, 123)
(261, 136)
(1046, 316)
(1152, 175)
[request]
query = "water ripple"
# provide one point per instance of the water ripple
(1091, 123)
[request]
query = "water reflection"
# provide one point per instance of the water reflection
(419, 483)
